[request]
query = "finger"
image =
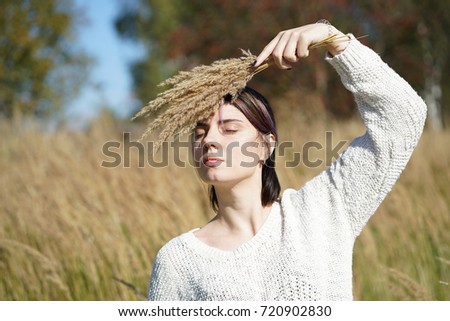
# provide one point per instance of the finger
(290, 51)
(302, 46)
(278, 51)
(267, 51)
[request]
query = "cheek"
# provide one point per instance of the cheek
(197, 153)
(237, 152)
(246, 154)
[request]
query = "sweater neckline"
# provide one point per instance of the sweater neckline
(245, 248)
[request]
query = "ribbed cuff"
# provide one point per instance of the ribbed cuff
(353, 58)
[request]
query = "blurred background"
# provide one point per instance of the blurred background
(73, 72)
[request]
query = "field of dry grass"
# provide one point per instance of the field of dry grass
(73, 230)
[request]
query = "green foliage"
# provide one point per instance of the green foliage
(182, 34)
(40, 68)
(402, 29)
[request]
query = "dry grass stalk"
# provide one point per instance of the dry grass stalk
(132, 287)
(196, 94)
(91, 223)
(405, 287)
(447, 262)
(11, 252)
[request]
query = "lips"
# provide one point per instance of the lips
(210, 161)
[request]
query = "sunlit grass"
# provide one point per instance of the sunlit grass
(73, 230)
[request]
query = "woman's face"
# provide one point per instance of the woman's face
(227, 148)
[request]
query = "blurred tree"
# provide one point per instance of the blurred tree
(40, 69)
(413, 37)
(181, 34)
(150, 22)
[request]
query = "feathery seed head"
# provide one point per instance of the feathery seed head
(196, 94)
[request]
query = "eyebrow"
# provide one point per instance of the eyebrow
(222, 121)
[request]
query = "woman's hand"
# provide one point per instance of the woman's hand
(291, 45)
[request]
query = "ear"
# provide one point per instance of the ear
(270, 141)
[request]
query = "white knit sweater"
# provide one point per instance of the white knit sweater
(303, 251)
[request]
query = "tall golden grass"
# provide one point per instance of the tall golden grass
(74, 230)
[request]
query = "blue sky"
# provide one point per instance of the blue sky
(111, 81)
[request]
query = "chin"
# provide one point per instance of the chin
(223, 176)
(212, 176)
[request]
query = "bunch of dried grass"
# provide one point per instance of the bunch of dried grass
(196, 94)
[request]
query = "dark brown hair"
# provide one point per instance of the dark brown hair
(257, 110)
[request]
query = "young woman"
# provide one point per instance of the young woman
(297, 247)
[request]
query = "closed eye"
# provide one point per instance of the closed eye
(199, 133)
(228, 129)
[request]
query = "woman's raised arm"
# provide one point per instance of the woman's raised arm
(393, 114)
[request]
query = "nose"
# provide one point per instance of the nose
(210, 141)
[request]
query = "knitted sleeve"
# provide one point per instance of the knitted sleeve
(164, 281)
(394, 117)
